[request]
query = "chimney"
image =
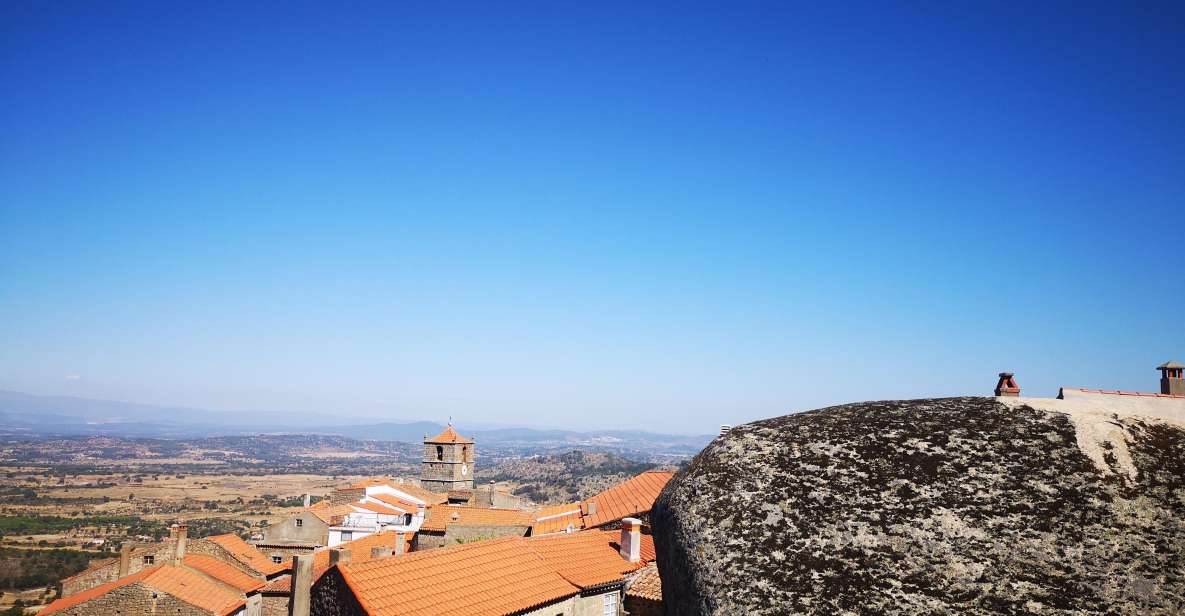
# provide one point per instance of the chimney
(631, 539)
(338, 556)
(400, 547)
(1007, 386)
(308, 500)
(380, 551)
(125, 558)
(302, 583)
(724, 428)
(1171, 381)
(181, 535)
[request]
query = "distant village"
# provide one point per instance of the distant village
(436, 544)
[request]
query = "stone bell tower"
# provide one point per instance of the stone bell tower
(448, 462)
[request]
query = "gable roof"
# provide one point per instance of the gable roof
(590, 558)
(179, 582)
(360, 552)
(222, 572)
(427, 496)
(247, 554)
(440, 517)
(499, 576)
(377, 508)
(631, 497)
(557, 519)
(488, 577)
(326, 512)
(647, 584)
(449, 436)
(395, 501)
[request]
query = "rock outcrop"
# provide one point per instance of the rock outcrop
(956, 505)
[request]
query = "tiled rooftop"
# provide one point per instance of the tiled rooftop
(632, 497)
(222, 572)
(247, 554)
(449, 436)
(441, 516)
(499, 576)
(557, 519)
(395, 501)
(646, 584)
(181, 583)
(377, 508)
(360, 552)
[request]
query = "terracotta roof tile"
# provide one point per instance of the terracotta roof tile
(395, 501)
(500, 576)
(490, 577)
(449, 436)
(79, 598)
(377, 508)
(590, 558)
(647, 584)
(247, 554)
(360, 552)
(632, 497)
(222, 572)
(181, 583)
(441, 516)
(327, 513)
(427, 496)
(557, 519)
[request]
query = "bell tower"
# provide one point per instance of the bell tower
(448, 462)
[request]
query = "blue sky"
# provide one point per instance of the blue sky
(610, 215)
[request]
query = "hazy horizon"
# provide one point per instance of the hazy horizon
(602, 216)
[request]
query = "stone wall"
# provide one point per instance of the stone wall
(332, 597)
(639, 606)
(343, 496)
(275, 604)
(90, 579)
(456, 533)
(137, 600)
(302, 528)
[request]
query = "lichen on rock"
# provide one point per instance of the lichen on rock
(937, 506)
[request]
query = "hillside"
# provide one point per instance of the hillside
(565, 477)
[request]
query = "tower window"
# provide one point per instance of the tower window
(299, 522)
(439, 452)
(148, 560)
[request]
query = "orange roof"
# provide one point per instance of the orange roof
(449, 436)
(247, 554)
(500, 576)
(395, 501)
(328, 513)
(427, 496)
(181, 583)
(590, 558)
(359, 553)
(378, 508)
(369, 482)
(489, 577)
(222, 572)
(79, 598)
(632, 497)
(557, 519)
(647, 584)
(441, 516)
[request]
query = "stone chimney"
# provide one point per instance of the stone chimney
(338, 556)
(125, 558)
(380, 551)
(302, 585)
(1007, 385)
(180, 534)
(1171, 378)
(308, 500)
(400, 547)
(631, 539)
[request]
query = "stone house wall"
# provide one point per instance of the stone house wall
(275, 604)
(332, 597)
(456, 533)
(135, 599)
(344, 496)
(638, 606)
(302, 527)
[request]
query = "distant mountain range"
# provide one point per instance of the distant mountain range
(27, 414)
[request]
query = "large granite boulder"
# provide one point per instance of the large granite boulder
(956, 505)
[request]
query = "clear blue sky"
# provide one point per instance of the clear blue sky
(607, 215)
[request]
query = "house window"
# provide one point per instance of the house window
(277, 559)
(148, 560)
(299, 522)
(347, 535)
(610, 604)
